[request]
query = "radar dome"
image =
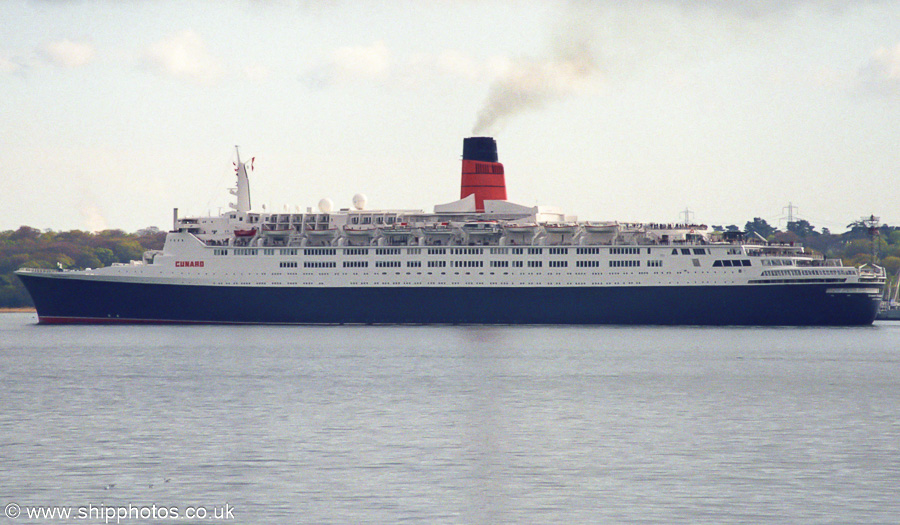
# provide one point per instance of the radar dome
(325, 205)
(359, 201)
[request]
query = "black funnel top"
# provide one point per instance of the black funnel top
(480, 148)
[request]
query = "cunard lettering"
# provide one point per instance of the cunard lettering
(189, 264)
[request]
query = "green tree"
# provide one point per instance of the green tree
(105, 255)
(802, 228)
(891, 264)
(28, 247)
(760, 226)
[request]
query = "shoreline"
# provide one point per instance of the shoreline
(21, 309)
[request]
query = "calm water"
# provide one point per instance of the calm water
(454, 424)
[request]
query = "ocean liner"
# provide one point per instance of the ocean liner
(480, 259)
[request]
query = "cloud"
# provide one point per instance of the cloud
(9, 63)
(68, 53)
(257, 72)
(748, 9)
(882, 74)
(183, 56)
(350, 64)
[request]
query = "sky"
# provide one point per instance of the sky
(115, 112)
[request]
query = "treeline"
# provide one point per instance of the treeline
(33, 248)
(29, 247)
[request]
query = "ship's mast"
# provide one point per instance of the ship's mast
(871, 224)
(242, 191)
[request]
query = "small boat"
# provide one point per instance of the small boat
(481, 228)
(399, 234)
(245, 233)
(359, 231)
(273, 230)
(436, 234)
(601, 227)
(325, 232)
(560, 228)
(520, 227)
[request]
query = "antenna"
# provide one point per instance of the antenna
(871, 224)
(687, 214)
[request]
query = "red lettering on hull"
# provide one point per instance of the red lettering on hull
(189, 264)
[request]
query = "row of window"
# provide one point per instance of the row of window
(777, 273)
(467, 264)
(539, 264)
(777, 262)
(504, 264)
(319, 264)
(729, 263)
(800, 280)
(475, 251)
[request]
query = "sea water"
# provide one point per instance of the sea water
(448, 424)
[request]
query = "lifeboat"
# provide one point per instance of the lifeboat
(273, 230)
(398, 234)
(520, 228)
(326, 232)
(437, 234)
(359, 231)
(245, 233)
(399, 231)
(601, 227)
(561, 228)
(438, 228)
(481, 228)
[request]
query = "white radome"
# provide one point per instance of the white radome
(325, 205)
(359, 201)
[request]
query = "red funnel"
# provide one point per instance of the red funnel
(482, 175)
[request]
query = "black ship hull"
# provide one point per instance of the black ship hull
(66, 299)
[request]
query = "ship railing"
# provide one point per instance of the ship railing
(815, 260)
(39, 270)
(872, 272)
